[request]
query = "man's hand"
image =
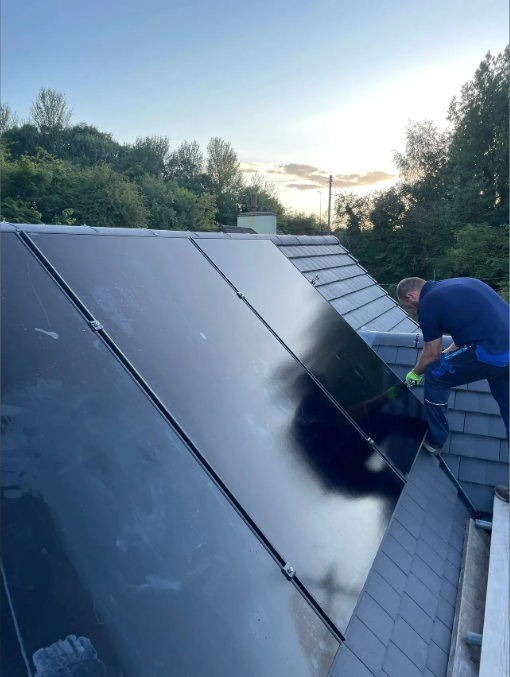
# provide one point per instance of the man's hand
(413, 379)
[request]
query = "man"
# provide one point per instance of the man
(477, 320)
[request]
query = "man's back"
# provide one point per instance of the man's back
(467, 309)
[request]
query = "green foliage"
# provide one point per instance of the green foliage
(298, 223)
(481, 251)
(448, 214)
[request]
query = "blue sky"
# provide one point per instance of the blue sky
(328, 84)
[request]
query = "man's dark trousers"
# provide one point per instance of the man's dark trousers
(459, 368)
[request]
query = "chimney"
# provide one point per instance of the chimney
(253, 203)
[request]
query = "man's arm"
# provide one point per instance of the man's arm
(450, 349)
(431, 352)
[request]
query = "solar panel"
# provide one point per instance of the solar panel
(306, 477)
(120, 555)
(322, 340)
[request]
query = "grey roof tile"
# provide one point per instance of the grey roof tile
(412, 507)
(481, 424)
(387, 353)
(479, 386)
(407, 356)
(453, 463)
(434, 540)
(403, 536)
(449, 591)
(456, 420)
(421, 622)
(442, 507)
(348, 665)
(439, 528)
(445, 612)
(397, 664)
(384, 594)
(483, 497)
(456, 541)
(365, 645)
(422, 595)
(472, 470)
(418, 495)
(430, 557)
(408, 521)
(475, 447)
(397, 553)
(441, 635)
(375, 618)
(410, 643)
(496, 473)
(484, 403)
(503, 451)
(454, 556)
(390, 571)
(427, 575)
(451, 573)
(437, 660)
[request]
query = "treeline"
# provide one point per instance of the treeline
(448, 214)
(57, 173)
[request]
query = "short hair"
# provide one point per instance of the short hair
(409, 284)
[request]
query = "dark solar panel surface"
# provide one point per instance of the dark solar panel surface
(306, 477)
(120, 554)
(323, 341)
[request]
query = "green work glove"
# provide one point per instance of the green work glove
(395, 392)
(413, 379)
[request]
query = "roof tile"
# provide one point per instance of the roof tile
(375, 618)
(474, 446)
(397, 664)
(390, 571)
(445, 612)
(437, 660)
(441, 635)
(348, 665)
(421, 622)
(365, 645)
(422, 595)
(472, 470)
(410, 643)
(384, 594)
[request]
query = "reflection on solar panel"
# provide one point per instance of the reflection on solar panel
(162, 465)
(361, 383)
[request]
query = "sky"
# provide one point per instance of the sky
(300, 89)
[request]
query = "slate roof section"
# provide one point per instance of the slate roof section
(403, 622)
(345, 284)
(477, 449)
(320, 258)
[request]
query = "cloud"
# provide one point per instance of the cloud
(368, 179)
(308, 177)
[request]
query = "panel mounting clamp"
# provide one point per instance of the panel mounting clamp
(240, 294)
(95, 325)
(289, 571)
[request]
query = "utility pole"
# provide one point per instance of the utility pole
(320, 208)
(329, 204)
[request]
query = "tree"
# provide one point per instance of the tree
(300, 223)
(49, 111)
(481, 251)
(103, 198)
(185, 166)
(478, 153)
(148, 154)
(8, 118)
(86, 145)
(225, 176)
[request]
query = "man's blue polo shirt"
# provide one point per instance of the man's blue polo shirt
(467, 309)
